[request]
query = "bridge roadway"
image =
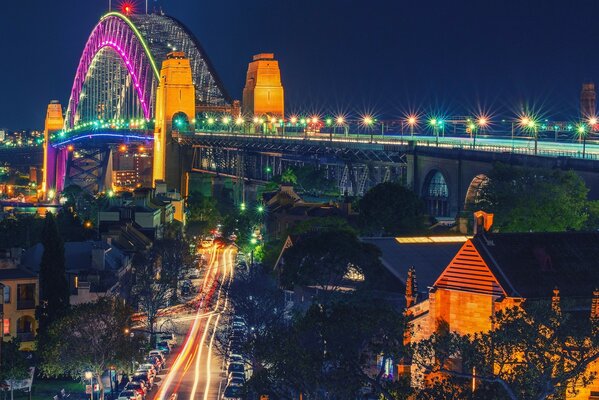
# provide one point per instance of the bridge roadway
(518, 145)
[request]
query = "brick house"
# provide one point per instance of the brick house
(494, 271)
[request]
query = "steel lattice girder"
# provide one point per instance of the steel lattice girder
(142, 42)
(88, 170)
(383, 155)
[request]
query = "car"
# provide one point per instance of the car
(168, 336)
(232, 393)
(236, 382)
(155, 361)
(137, 387)
(234, 358)
(148, 368)
(159, 354)
(143, 377)
(193, 273)
(129, 395)
(236, 367)
(236, 375)
(164, 346)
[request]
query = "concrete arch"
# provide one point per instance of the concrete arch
(473, 191)
(436, 193)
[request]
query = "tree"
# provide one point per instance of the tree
(156, 276)
(390, 209)
(289, 177)
(91, 337)
(530, 199)
(534, 352)
(13, 365)
(329, 352)
(54, 288)
(325, 258)
(202, 211)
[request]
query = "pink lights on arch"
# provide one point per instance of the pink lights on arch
(114, 33)
(134, 76)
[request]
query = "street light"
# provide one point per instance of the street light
(90, 376)
(582, 133)
(482, 123)
(412, 121)
(529, 123)
(367, 121)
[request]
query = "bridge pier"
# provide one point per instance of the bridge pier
(52, 156)
(175, 100)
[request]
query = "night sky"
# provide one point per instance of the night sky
(380, 56)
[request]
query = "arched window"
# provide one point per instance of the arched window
(436, 195)
(180, 122)
(473, 195)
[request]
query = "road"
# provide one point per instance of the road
(195, 371)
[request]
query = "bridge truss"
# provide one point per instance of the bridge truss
(118, 72)
(355, 168)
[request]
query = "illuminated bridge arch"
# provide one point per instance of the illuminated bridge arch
(118, 72)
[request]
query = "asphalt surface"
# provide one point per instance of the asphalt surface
(195, 367)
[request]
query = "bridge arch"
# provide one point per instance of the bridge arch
(474, 191)
(141, 42)
(435, 192)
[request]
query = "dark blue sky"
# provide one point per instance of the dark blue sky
(385, 56)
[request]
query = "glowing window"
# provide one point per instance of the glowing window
(6, 327)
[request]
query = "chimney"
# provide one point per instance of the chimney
(411, 288)
(482, 222)
(555, 301)
(595, 306)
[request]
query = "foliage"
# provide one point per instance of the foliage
(289, 177)
(592, 223)
(91, 337)
(22, 231)
(390, 209)
(325, 258)
(329, 351)
(535, 352)
(82, 203)
(530, 199)
(202, 211)
(13, 364)
(54, 288)
(156, 276)
(322, 224)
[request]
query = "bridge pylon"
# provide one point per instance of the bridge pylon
(52, 156)
(175, 104)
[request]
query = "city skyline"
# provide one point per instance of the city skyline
(441, 58)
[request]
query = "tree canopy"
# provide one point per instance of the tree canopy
(54, 288)
(91, 337)
(390, 209)
(534, 352)
(534, 200)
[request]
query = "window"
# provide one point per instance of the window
(436, 194)
(6, 294)
(6, 327)
(26, 296)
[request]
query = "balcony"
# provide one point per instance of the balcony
(25, 304)
(26, 336)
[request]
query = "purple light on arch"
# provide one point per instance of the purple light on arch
(113, 32)
(104, 134)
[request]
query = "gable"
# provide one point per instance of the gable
(468, 272)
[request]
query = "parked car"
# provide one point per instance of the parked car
(159, 354)
(155, 361)
(236, 382)
(169, 337)
(236, 367)
(164, 346)
(232, 393)
(137, 387)
(143, 377)
(147, 369)
(234, 358)
(129, 395)
(236, 375)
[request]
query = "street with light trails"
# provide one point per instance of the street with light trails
(195, 371)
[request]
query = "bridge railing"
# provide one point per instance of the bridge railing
(516, 145)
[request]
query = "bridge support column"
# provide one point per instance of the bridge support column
(175, 99)
(52, 160)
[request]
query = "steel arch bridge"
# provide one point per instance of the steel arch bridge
(116, 83)
(118, 72)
